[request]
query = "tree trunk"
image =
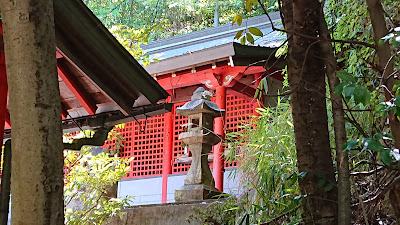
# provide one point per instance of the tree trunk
(306, 75)
(339, 124)
(384, 54)
(37, 162)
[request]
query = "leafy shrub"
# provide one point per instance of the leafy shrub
(89, 181)
(266, 150)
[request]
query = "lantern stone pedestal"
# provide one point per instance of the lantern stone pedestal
(199, 183)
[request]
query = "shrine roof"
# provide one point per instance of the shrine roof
(99, 80)
(212, 45)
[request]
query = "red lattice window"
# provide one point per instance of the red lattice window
(238, 112)
(146, 147)
(178, 148)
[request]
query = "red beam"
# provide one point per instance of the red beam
(8, 121)
(58, 55)
(79, 94)
(189, 79)
(212, 78)
(63, 114)
(3, 95)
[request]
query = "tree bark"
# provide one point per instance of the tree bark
(384, 54)
(306, 74)
(37, 162)
(339, 125)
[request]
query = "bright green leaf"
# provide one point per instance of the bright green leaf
(255, 31)
(250, 38)
(238, 19)
(243, 40)
(238, 34)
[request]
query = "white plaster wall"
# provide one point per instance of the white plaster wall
(148, 190)
(144, 190)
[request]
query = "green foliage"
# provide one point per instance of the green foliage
(249, 33)
(170, 17)
(393, 38)
(376, 144)
(117, 138)
(266, 149)
(88, 182)
(348, 87)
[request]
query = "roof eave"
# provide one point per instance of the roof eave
(86, 42)
(242, 55)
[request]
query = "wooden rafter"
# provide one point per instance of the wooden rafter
(80, 95)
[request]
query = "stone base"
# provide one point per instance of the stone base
(199, 192)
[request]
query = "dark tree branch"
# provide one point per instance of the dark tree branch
(312, 37)
(98, 139)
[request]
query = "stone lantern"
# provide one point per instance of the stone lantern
(199, 183)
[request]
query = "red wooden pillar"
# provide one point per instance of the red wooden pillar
(3, 95)
(219, 125)
(167, 154)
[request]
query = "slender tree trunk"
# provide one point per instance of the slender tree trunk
(384, 54)
(37, 162)
(306, 75)
(339, 124)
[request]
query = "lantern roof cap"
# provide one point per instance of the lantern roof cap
(200, 106)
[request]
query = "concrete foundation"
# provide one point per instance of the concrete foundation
(197, 192)
(165, 214)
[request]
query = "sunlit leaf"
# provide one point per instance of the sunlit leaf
(238, 34)
(243, 40)
(249, 38)
(255, 31)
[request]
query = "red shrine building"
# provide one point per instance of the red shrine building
(102, 84)
(211, 59)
